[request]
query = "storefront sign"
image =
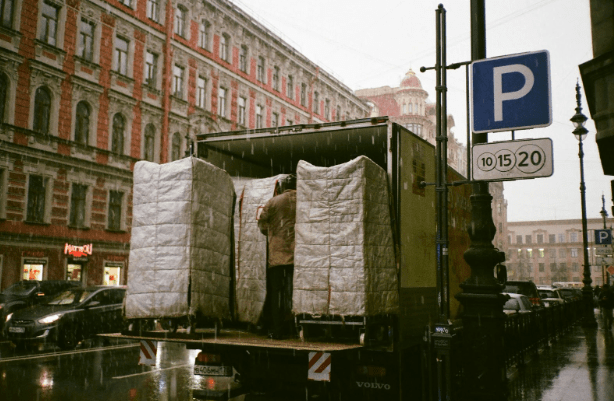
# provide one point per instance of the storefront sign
(78, 251)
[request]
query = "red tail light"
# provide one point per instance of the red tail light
(208, 358)
(211, 383)
(535, 301)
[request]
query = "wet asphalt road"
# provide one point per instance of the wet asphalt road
(577, 367)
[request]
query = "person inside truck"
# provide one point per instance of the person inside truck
(277, 221)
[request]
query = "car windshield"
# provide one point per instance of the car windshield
(21, 288)
(567, 293)
(512, 304)
(70, 297)
(547, 294)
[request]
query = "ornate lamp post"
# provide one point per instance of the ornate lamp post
(580, 132)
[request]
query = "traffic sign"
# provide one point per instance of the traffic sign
(610, 269)
(603, 250)
(512, 160)
(603, 237)
(511, 92)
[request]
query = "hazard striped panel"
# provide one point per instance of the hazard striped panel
(148, 353)
(319, 366)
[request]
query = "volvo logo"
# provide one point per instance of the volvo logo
(376, 386)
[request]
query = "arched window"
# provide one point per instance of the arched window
(176, 147)
(150, 135)
(117, 140)
(82, 124)
(42, 110)
(4, 92)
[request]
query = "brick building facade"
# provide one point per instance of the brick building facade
(87, 88)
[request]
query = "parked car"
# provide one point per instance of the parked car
(527, 288)
(551, 296)
(29, 293)
(517, 304)
(70, 317)
(570, 294)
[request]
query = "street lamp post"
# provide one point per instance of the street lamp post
(580, 132)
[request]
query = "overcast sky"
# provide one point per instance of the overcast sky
(367, 44)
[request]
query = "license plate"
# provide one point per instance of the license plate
(15, 329)
(212, 370)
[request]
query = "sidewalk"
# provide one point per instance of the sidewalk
(577, 367)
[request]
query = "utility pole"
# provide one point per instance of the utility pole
(483, 318)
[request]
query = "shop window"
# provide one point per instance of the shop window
(115, 210)
(78, 205)
(73, 272)
(33, 269)
(42, 110)
(37, 199)
(112, 274)
(82, 123)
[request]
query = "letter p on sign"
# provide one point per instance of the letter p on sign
(603, 237)
(511, 92)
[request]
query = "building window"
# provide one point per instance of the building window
(37, 191)
(327, 109)
(574, 252)
(77, 205)
(117, 140)
(221, 102)
(6, 13)
(151, 68)
(176, 147)
(180, 20)
(224, 45)
(82, 123)
(242, 103)
(86, 40)
(529, 253)
(178, 81)
(4, 89)
(575, 267)
(42, 110)
(115, 210)
(540, 238)
(552, 252)
(275, 82)
(573, 237)
(519, 239)
(290, 87)
(316, 102)
(243, 58)
(338, 113)
(304, 95)
(528, 239)
(121, 56)
(561, 238)
(203, 35)
(541, 267)
(562, 253)
(551, 238)
(541, 252)
(563, 267)
(274, 120)
(258, 116)
(49, 29)
(150, 136)
(552, 267)
(260, 69)
(153, 10)
(201, 92)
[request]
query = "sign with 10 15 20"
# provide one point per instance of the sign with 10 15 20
(512, 160)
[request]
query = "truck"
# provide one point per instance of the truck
(381, 358)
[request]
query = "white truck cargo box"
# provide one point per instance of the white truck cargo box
(181, 245)
(344, 261)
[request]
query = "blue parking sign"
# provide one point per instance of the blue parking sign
(511, 92)
(603, 237)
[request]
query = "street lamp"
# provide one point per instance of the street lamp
(580, 132)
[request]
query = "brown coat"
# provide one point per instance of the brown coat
(277, 222)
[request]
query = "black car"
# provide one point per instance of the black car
(70, 317)
(28, 293)
(527, 288)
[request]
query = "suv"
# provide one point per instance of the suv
(527, 288)
(28, 293)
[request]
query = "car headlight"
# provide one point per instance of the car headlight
(49, 319)
(8, 317)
